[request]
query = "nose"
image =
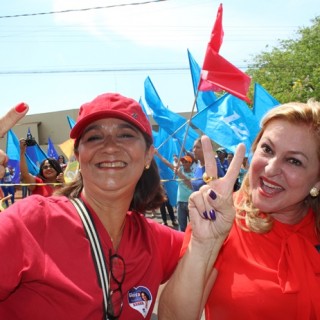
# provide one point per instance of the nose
(110, 143)
(273, 167)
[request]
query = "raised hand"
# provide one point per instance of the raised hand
(12, 117)
(211, 208)
(6, 123)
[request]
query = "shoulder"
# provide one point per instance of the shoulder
(38, 179)
(38, 209)
(155, 230)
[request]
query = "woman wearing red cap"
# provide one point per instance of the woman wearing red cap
(88, 252)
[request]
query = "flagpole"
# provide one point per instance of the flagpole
(177, 130)
(188, 126)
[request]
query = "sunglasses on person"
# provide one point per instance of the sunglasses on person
(47, 166)
(116, 278)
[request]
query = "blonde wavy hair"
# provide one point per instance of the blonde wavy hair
(250, 218)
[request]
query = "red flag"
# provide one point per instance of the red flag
(217, 31)
(219, 74)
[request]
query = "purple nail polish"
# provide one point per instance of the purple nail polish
(205, 214)
(212, 214)
(212, 195)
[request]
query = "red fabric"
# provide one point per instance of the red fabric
(219, 74)
(111, 105)
(268, 276)
(47, 270)
(217, 31)
(45, 190)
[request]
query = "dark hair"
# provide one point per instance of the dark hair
(148, 195)
(53, 163)
(62, 157)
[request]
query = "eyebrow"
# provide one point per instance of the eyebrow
(291, 152)
(124, 125)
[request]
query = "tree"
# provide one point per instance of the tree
(291, 71)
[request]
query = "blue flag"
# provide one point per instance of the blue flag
(205, 98)
(166, 173)
(52, 152)
(174, 124)
(35, 155)
(228, 122)
(13, 152)
(263, 101)
(71, 122)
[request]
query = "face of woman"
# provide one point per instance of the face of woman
(284, 167)
(112, 155)
(48, 172)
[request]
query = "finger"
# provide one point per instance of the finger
(235, 165)
(12, 117)
(209, 159)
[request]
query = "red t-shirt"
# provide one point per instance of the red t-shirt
(45, 190)
(47, 270)
(275, 275)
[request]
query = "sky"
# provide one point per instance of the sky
(56, 54)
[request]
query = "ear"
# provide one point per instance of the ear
(76, 154)
(150, 154)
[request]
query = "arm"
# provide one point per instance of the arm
(190, 285)
(26, 177)
(164, 160)
(176, 170)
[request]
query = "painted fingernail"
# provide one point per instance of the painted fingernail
(205, 214)
(21, 107)
(212, 195)
(212, 214)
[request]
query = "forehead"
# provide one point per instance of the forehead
(291, 136)
(109, 123)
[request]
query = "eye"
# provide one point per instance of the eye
(266, 148)
(92, 136)
(295, 162)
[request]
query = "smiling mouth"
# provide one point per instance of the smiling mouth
(270, 188)
(118, 164)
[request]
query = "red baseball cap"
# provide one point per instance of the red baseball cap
(111, 105)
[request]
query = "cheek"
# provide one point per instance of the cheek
(256, 169)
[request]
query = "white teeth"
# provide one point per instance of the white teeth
(269, 185)
(112, 165)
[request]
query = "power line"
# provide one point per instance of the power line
(79, 10)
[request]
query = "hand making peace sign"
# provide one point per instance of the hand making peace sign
(211, 208)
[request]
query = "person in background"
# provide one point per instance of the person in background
(230, 157)
(243, 170)
(50, 174)
(8, 189)
(222, 162)
(268, 267)
(185, 175)
(199, 170)
(175, 160)
(51, 270)
(167, 207)
(62, 162)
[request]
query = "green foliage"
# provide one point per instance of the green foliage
(291, 71)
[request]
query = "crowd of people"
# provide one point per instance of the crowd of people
(245, 252)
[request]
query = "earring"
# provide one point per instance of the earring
(314, 192)
(147, 166)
